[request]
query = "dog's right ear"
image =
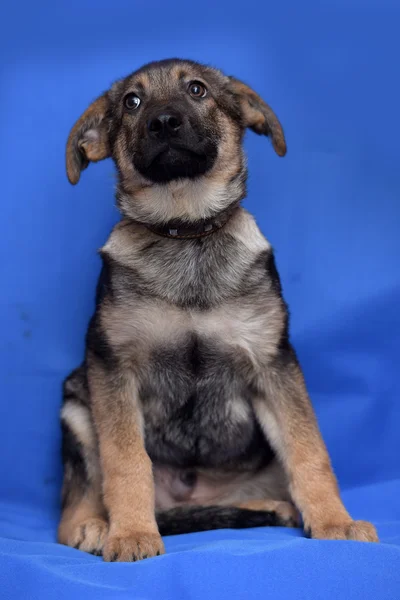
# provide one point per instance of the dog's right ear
(88, 140)
(258, 115)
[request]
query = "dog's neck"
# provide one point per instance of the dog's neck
(193, 207)
(183, 230)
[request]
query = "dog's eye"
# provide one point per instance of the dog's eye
(131, 101)
(197, 89)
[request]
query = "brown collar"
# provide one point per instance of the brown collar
(179, 230)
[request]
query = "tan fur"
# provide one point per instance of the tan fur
(143, 80)
(128, 489)
(259, 116)
(84, 525)
(291, 427)
(286, 510)
(92, 141)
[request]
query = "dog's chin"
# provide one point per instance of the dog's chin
(176, 163)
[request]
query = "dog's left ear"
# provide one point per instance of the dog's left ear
(257, 115)
(88, 140)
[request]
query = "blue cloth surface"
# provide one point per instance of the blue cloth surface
(331, 209)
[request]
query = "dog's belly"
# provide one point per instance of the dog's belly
(197, 409)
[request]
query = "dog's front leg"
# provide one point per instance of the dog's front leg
(128, 487)
(285, 413)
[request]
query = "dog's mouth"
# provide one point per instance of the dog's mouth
(175, 153)
(176, 161)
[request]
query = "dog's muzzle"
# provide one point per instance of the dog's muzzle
(173, 149)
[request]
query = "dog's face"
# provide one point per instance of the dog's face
(169, 123)
(175, 124)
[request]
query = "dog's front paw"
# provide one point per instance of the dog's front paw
(89, 535)
(132, 547)
(361, 531)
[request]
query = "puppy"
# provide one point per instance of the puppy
(189, 411)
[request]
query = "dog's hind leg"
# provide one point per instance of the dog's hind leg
(83, 522)
(223, 500)
(263, 513)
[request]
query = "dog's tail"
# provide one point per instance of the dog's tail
(204, 518)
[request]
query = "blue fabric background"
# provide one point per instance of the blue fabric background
(331, 208)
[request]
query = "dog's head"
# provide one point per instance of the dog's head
(174, 129)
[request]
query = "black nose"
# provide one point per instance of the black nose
(164, 125)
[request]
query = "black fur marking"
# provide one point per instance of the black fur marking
(196, 518)
(150, 245)
(75, 387)
(188, 419)
(286, 357)
(104, 283)
(74, 463)
(116, 280)
(272, 272)
(195, 358)
(97, 343)
(71, 450)
(96, 340)
(273, 275)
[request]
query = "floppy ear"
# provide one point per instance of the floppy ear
(88, 139)
(257, 115)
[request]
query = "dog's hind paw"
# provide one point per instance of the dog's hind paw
(89, 535)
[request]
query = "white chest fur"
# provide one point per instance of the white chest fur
(176, 277)
(253, 329)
